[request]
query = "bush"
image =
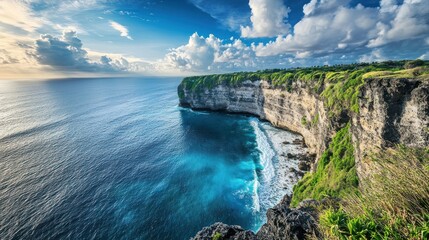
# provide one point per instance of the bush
(414, 63)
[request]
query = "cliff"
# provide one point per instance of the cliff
(346, 114)
(391, 111)
(299, 111)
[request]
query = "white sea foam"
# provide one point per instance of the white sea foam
(276, 178)
(267, 153)
(266, 157)
(256, 205)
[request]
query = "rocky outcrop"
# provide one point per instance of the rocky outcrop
(221, 231)
(391, 111)
(283, 223)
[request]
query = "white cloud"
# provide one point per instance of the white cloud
(18, 15)
(268, 19)
(66, 53)
(424, 56)
(406, 21)
(120, 28)
(209, 54)
(323, 6)
(325, 31)
(375, 55)
(213, 55)
(333, 26)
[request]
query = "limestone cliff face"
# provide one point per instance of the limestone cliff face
(392, 111)
(299, 111)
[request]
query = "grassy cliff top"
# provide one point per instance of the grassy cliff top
(279, 77)
(338, 85)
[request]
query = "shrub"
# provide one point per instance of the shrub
(414, 63)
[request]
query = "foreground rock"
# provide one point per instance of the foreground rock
(221, 231)
(289, 223)
(283, 223)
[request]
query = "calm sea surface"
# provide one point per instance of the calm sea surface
(118, 159)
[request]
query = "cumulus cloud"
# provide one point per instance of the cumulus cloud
(65, 53)
(204, 54)
(375, 55)
(121, 29)
(325, 27)
(268, 19)
(333, 26)
(399, 22)
(211, 54)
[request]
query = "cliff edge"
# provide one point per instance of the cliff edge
(345, 113)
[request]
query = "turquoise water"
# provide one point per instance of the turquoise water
(118, 159)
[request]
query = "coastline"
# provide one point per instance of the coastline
(281, 152)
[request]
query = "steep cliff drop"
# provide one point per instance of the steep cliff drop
(379, 107)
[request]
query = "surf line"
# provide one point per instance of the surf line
(266, 157)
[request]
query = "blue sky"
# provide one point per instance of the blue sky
(52, 38)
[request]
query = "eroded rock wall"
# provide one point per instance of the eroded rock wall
(391, 111)
(299, 111)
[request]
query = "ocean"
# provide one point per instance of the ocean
(117, 158)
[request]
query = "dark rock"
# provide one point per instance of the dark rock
(303, 166)
(288, 223)
(283, 223)
(286, 142)
(227, 232)
(297, 141)
(291, 156)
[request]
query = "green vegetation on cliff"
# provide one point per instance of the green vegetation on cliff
(392, 204)
(338, 85)
(335, 174)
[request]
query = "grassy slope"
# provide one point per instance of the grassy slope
(393, 204)
(335, 174)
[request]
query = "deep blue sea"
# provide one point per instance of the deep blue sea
(117, 158)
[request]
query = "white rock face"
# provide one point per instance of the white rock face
(392, 111)
(298, 111)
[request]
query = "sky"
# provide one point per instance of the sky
(72, 38)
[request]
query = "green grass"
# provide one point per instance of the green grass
(335, 174)
(393, 203)
(217, 236)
